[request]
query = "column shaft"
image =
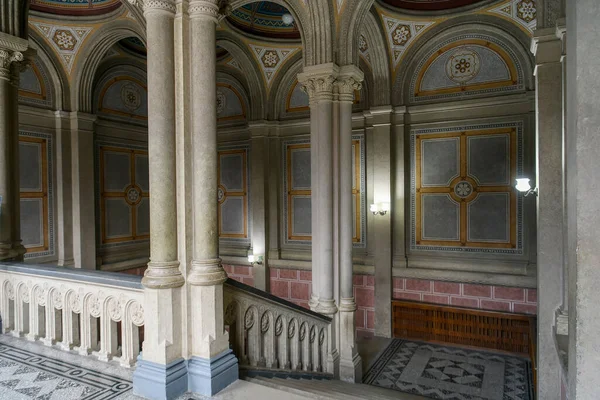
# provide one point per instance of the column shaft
(549, 225)
(10, 241)
(213, 365)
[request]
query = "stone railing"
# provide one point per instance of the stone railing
(92, 312)
(267, 332)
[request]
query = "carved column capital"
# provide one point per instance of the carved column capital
(318, 88)
(208, 9)
(346, 86)
(9, 61)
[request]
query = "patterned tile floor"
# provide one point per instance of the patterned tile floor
(445, 372)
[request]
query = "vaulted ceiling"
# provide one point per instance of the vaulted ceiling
(75, 7)
(264, 19)
(429, 5)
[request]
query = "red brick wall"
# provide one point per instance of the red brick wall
(364, 295)
(135, 271)
(240, 273)
(484, 297)
(291, 285)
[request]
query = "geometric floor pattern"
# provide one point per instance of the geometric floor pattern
(454, 373)
(25, 375)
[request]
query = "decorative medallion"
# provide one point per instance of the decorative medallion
(270, 60)
(221, 102)
(401, 35)
(362, 44)
(463, 65)
(220, 194)
(133, 195)
(130, 96)
(292, 328)
(249, 318)
(137, 313)
(278, 326)
(463, 189)
(526, 11)
(64, 40)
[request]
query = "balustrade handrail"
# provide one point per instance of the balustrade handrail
(76, 274)
(96, 313)
(267, 332)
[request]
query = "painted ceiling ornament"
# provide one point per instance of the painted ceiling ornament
(221, 102)
(66, 40)
(401, 34)
(133, 195)
(131, 97)
(463, 65)
(234, 64)
(463, 189)
(271, 59)
(522, 12)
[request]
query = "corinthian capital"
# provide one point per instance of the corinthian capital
(9, 61)
(204, 9)
(318, 81)
(349, 80)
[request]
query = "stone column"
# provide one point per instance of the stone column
(82, 189)
(161, 372)
(11, 54)
(548, 49)
(382, 193)
(64, 196)
(213, 365)
(259, 195)
(318, 82)
(583, 187)
(350, 362)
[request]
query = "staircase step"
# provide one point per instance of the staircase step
(367, 391)
(275, 383)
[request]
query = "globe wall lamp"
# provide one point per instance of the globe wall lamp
(252, 259)
(380, 208)
(523, 185)
(287, 18)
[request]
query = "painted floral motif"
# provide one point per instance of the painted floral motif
(64, 40)
(221, 102)
(133, 195)
(463, 65)
(270, 59)
(130, 96)
(362, 44)
(463, 189)
(401, 35)
(526, 10)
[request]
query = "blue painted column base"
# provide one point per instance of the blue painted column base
(160, 382)
(209, 377)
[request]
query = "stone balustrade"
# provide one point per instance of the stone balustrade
(269, 333)
(94, 313)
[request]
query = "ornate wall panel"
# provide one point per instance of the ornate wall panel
(297, 215)
(34, 86)
(466, 66)
(230, 105)
(462, 195)
(37, 212)
(124, 193)
(233, 194)
(124, 96)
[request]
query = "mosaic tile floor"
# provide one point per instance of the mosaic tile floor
(445, 372)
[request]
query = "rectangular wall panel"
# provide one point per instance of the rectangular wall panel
(462, 194)
(36, 186)
(233, 193)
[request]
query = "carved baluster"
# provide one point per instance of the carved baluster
(323, 340)
(319, 355)
(21, 311)
(89, 324)
(234, 319)
(268, 340)
(41, 298)
(294, 343)
(54, 304)
(108, 336)
(70, 320)
(8, 310)
(36, 316)
(282, 342)
(305, 340)
(253, 334)
(314, 347)
(132, 319)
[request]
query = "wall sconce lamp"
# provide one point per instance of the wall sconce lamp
(380, 208)
(524, 186)
(252, 259)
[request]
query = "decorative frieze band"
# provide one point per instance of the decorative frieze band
(160, 5)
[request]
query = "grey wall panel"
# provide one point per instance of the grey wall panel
(439, 161)
(117, 171)
(300, 169)
(488, 218)
(118, 218)
(30, 164)
(143, 217)
(440, 217)
(141, 172)
(489, 159)
(32, 222)
(232, 173)
(232, 215)
(301, 216)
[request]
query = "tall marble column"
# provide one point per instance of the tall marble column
(350, 362)
(11, 54)
(583, 187)
(213, 365)
(318, 81)
(161, 372)
(548, 50)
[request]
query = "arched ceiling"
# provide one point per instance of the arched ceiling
(429, 5)
(134, 45)
(263, 18)
(75, 7)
